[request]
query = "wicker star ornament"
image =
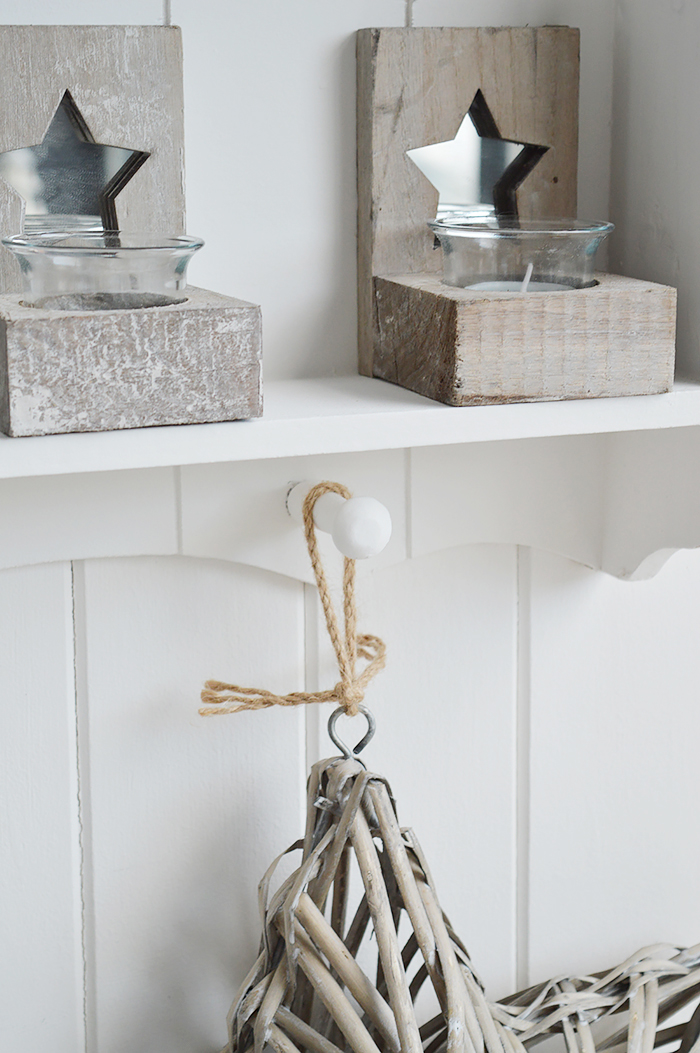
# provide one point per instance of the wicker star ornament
(391, 976)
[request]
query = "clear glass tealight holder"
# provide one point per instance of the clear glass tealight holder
(488, 255)
(93, 271)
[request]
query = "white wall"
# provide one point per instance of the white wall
(656, 155)
(554, 708)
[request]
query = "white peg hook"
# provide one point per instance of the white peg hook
(360, 527)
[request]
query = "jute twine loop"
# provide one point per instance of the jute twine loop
(348, 646)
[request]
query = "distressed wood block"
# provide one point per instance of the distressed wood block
(466, 348)
(414, 87)
(193, 362)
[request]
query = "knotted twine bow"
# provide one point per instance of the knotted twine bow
(348, 646)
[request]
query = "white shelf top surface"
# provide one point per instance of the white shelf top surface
(342, 415)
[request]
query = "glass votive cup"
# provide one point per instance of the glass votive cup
(488, 255)
(93, 271)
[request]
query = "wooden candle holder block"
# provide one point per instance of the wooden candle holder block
(414, 87)
(467, 348)
(64, 371)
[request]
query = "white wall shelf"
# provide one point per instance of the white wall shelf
(610, 483)
(342, 415)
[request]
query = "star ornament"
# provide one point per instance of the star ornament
(478, 171)
(68, 181)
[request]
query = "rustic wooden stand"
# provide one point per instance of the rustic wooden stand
(454, 345)
(63, 371)
(99, 371)
(465, 348)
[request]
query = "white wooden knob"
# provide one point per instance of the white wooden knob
(360, 527)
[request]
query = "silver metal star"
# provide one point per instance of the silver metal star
(477, 171)
(68, 181)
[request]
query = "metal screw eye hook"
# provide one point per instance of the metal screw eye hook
(348, 752)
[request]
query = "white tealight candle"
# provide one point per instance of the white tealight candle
(539, 256)
(517, 287)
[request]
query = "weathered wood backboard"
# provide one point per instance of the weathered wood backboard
(414, 88)
(127, 83)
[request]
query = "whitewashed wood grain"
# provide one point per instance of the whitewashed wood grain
(615, 782)
(445, 709)
(92, 514)
(185, 363)
(185, 813)
(40, 925)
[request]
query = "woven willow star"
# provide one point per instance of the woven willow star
(374, 966)
(68, 180)
(477, 170)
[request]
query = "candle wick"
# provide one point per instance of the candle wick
(526, 279)
(167, 13)
(409, 14)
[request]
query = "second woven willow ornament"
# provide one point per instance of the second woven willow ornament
(382, 971)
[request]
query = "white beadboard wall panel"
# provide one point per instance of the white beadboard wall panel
(446, 716)
(185, 812)
(270, 147)
(238, 511)
(83, 516)
(614, 777)
(40, 926)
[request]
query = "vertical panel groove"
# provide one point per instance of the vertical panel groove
(82, 731)
(312, 715)
(522, 781)
(408, 515)
(79, 827)
(177, 487)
